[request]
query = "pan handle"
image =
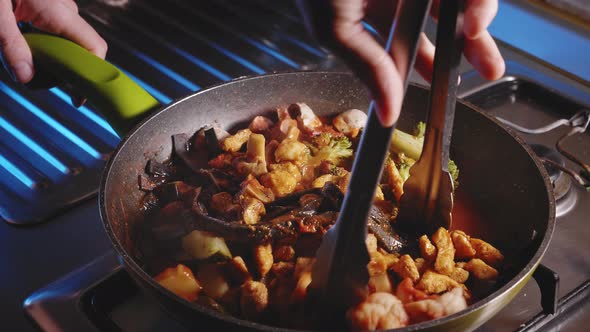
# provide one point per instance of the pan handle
(105, 86)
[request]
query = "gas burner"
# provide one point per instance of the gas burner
(565, 197)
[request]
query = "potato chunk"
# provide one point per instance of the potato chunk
(180, 281)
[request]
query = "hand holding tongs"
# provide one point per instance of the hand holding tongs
(340, 276)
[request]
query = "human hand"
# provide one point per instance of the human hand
(59, 17)
(338, 24)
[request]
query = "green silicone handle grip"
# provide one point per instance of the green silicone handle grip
(113, 93)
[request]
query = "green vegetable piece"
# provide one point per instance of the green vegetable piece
(330, 148)
(203, 245)
(420, 129)
(454, 171)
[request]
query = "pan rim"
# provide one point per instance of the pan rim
(130, 263)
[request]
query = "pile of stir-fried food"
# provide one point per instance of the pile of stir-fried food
(234, 220)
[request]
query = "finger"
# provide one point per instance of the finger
(60, 19)
(484, 55)
(425, 57)
(70, 4)
(374, 65)
(478, 16)
(16, 55)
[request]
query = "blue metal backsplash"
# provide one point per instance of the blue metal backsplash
(52, 154)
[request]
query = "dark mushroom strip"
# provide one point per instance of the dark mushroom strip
(379, 224)
(193, 159)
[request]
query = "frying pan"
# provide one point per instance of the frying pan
(504, 196)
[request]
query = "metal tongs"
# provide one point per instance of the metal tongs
(427, 201)
(339, 275)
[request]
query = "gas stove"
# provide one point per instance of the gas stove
(51, 156)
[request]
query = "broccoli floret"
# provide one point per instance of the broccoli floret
(420, 130)
(329, 148)
(409, 147)
(454, 171)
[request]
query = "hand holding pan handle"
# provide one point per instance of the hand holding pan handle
(106, 87)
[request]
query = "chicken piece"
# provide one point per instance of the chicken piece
(283, 270)
(283, 253)
(379, 311)
(427, 249)
(380, 283)
(406, 292)
(269, 151)
(422, 265)
(444, 305)
(237, 270)
(343, 180)
(480, 269)
(253, 299)
(445, 255)
(459, 274)
(292, 134)
(291, 150)
(350, 122)
(462, 245)
(231, 300)
(486, 252)
(222, 203)
(280, 130)
(436, 283)
(287, 167)
(388, 258)
(306, 118)
(234, 143)
(371, 242)
(244, 167)
(379, 196)
(303, 264)
(252, 208)
(263, 259)
(180, 281)
(376, 266)
(260, 124)
(252, 187)
(280, 182)
(394, 179)
(406, 268)
(279, 297)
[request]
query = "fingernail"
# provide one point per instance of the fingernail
(386, 121)
(22, 71)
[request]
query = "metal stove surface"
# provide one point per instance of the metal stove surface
(232, 39)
